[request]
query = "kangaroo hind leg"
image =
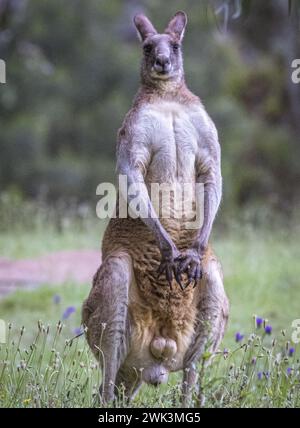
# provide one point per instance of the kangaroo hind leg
(105, 314)
(212, 316)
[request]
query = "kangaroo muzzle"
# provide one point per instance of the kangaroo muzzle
(162, 64)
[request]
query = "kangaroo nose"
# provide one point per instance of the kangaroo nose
(162, 64)
(162, 60)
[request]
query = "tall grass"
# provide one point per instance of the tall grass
(49, 372)
(54, 372)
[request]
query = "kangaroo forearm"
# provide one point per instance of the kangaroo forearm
(212, 197)
(140, 206)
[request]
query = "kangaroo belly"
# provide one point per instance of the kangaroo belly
(167, 304)
(134, 236)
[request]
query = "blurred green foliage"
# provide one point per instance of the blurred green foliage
(73, 69)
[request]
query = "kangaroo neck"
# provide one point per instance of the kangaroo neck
(163, 88)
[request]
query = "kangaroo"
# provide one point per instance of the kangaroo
(158, 301)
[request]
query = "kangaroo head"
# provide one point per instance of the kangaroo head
(162, 55)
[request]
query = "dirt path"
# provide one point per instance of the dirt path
(55, 268)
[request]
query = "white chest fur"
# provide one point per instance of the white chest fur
(171, 132)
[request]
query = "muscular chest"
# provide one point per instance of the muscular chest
(172, 137)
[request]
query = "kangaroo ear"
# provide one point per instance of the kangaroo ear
(177, 25)
(143, 26)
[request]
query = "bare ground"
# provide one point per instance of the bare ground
(55, 268)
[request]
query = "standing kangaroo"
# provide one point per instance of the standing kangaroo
(158, 301)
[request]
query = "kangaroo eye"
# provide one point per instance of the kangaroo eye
(147, 49)
(175, 47)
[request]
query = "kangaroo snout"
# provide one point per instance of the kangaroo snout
(162, 64)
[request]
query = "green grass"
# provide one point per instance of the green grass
(45, 239)
(262, 275)
(31, 229)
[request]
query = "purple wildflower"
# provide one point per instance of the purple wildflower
(291, 352)
(289, 371)
(253, 361)
(267, 375)
(259, 322)
(69, 310)
(268, 329)
(56, 299)
(239, 337)
(259, 375)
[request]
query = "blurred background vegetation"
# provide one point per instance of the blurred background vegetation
(73, 69)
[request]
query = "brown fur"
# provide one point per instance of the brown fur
(155, 307)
